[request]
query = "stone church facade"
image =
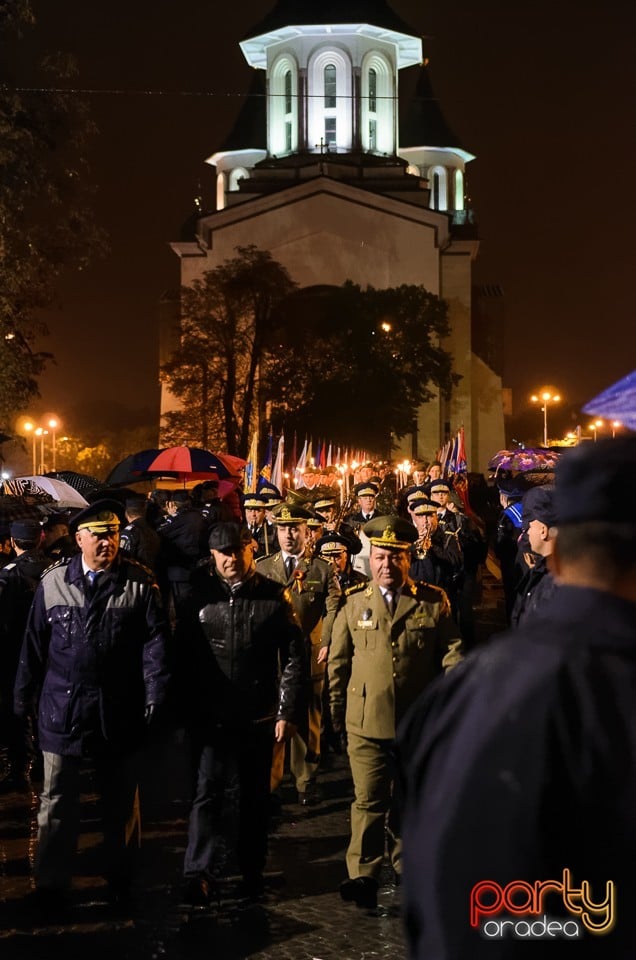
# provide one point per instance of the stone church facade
(327, 170)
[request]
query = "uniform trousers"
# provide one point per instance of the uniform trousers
(374, 811)
(231, 801)
(59, 817)
(304, 746)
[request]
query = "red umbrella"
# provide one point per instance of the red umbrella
(192, 463)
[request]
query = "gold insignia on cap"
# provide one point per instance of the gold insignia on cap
(389, 535)
(285, 514)
(102, 522)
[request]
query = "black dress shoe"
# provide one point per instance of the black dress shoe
(363, 891)
(197, 892)
(309, 797)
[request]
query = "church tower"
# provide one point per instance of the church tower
(324, 170)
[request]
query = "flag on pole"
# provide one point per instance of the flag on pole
(251, 470)
(329, 456)
(462, 465)
(266, 469)
(277, 472)
(318, 454)
(309, 455)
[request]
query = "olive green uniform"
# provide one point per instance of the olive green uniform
(315, 596)
(378, 665)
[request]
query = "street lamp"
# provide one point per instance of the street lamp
(594, 427)
(53, 423)
(41, 433)
(29, 428)
(545, 397)
(616, 424)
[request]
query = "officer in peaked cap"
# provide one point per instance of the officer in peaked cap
(255, 507)
(366, 493)
(103, 516)
(315, 596)
(514, 763)
(391, 638)
(93, 663)
(337, 550)
(326, 506)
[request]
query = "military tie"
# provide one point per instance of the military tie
(91, 580)
(389, 599)
(290, 566)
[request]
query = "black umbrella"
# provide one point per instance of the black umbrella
(132, 468)
(82, 482)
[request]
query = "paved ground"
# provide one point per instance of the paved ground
(302, 918)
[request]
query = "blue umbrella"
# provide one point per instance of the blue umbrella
(618, 402)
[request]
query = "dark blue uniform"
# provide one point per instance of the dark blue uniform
(519, 764)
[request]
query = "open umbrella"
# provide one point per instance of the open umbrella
(524, 461)
(84, 483)
(193, 463)
(131, 468)
(618, 402)
(62, 492)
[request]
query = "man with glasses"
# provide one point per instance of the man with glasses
(93, 668)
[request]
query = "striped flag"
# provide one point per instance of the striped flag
(266, 469)
(277, 472)
(251, 470)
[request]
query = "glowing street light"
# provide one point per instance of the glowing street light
(616, 425)
(29, 428)
(41, 433)
(594, 427)
(545, 397)
(53, 424)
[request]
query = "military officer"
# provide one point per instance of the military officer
(315, 596)
(367, 493)
(326, 506)
(138, 538)
(263, 532)
(390, 639)
(337, 549)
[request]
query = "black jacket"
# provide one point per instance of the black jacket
(241, 655)
(141, 542)
(535, 591)
(184, 541)
(18, 581)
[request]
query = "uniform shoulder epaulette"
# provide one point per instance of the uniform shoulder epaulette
(62, 562)
(141, 566)
(355, 588)
(9, 566)
(435, 594)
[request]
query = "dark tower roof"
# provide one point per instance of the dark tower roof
(250, 127)
(422, 123)
(288, 13)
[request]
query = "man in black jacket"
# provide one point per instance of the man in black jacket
(18, 580)
(237, 635)
(538, 585)
(520, 766)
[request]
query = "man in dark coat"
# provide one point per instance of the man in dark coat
(184, 542)
(520, 767)
(315, 596)
(538, 585)
(239, 632)
(139, 540)
(18, 580)
(93, 666)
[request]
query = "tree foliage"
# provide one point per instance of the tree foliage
(45, 219)
(226, 330)
(350, 363)
(355, 364)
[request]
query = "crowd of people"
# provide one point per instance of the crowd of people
(289, 624)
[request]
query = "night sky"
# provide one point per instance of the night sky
(541, 93)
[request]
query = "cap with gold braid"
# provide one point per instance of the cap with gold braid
(366, 489)
(103, 516)
(291, 513)
(395, 533)
(424, 506)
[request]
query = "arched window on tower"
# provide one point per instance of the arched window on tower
(239, 173)
(283, 107)
(378, 105)
(437, 184)
(220, 191)
(459, 190)
(329, 101)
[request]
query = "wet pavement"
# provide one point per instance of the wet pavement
(301, 917)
